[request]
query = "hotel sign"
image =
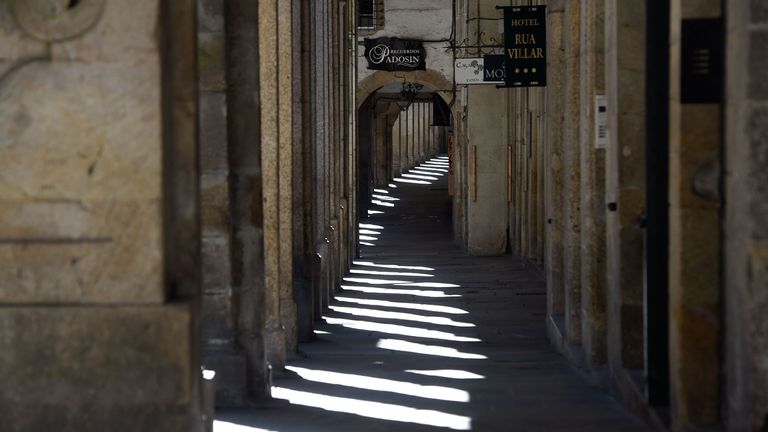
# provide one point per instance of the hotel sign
(393, 54)
(525, 46)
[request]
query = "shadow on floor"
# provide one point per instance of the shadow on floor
(422, 337)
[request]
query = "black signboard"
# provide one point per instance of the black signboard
(393, 54)
(525, 46)
(701, 61)
(441, 112)
(494, 68)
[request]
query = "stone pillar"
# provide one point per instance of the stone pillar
(745, 228)
(572, 181)
(694, 243)
(487, 171)
(99, 210)
(303, 181)
(285, 101)
(397, 145)
(219, 329)
(243, 125)
(625, 187)
(270, 110)
(553, 210)
(592, 162)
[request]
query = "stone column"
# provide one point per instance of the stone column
(694, 242)
(219, 329)
(745, 227)
(592, 161)
(99, 211)
(397, 145)
(303, 181)
(487, 174)
(553, 210)
(270, 111)
(625, 186)
(572, 180)
(285, 100)
(243, 125)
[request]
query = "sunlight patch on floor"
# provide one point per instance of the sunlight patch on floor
(416, 293)
(222, 426)
(378, 410)
(428, 284)
(396, 329)
(391, 266)
(417, 348)
(386, 198)
(382, 385)
(402, 180)
(382, 203)
(374, 281)
(447, 373)
(389, 273)
(424, 173)
(375, 313)
(401, 305)
(430, 168)
(420, 177)
(371, 226)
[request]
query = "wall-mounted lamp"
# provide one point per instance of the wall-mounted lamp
(408, 95)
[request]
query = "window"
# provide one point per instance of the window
(367, 14)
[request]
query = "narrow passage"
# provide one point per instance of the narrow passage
(422, 337)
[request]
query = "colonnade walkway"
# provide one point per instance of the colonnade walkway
(422, 337)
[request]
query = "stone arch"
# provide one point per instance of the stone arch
(429, 77)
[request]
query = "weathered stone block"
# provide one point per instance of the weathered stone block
(230, 376)
(217, 318)
(758, 61)
(759, 11)
(124, 32)
(758, 175)
(217, 270)
(214, 200)
(211, 61)
(210, 15)
(80, 182)
(213, 131)
(96, 368)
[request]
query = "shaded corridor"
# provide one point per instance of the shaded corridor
(423, 337)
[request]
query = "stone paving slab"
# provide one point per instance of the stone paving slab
(426, 338)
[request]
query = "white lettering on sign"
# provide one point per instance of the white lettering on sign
(384, 54)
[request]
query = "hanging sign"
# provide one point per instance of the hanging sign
(468, 70)
(479, 70)
(525, 46)
(393, 54)
(495, 69)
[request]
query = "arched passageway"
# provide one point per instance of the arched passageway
(399, 125)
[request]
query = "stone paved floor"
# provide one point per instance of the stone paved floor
(424, 338)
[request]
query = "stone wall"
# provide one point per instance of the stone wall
(746, 228)
(99, 213)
